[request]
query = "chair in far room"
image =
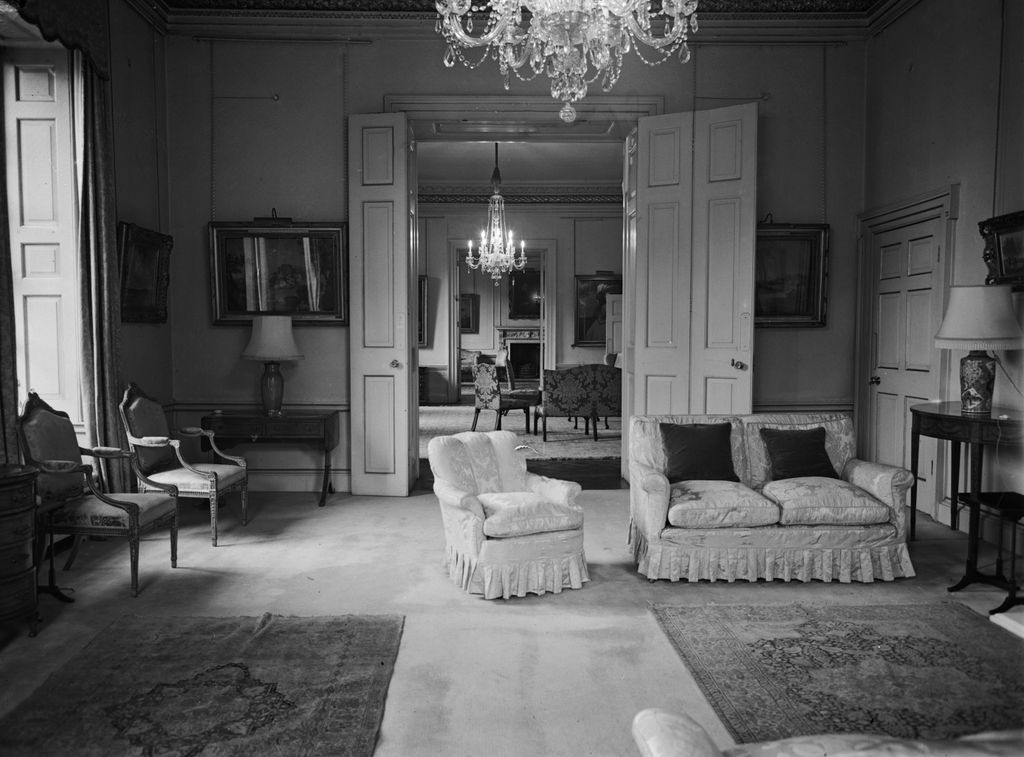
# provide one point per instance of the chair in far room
(160, 457)
(488, 395)
(71, 495)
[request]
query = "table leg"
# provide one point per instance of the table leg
(971, 570)
(954, 484)
(327, 477)
(915, 441)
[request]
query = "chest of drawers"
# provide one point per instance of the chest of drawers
(18, 597)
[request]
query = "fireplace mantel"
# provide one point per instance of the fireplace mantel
(517, 334)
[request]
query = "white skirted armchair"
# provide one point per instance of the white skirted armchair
(508, 532)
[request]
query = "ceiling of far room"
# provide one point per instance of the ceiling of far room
(521, 163)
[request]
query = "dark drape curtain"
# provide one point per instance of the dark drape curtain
(83, 26)
(100, 285)
(8, 373)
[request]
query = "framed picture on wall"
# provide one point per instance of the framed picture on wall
(424, 301)
(791, 275)
(524, 294)
(1004, 249)
(469, 313)
(591, 315)
(279, 268)
(145, 273)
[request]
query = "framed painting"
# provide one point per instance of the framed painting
(791, 275)
(591, 316)
(1004, 249)
(423, 303)
(524, 294)
(145, 273)
(279, 268)
(469, 313)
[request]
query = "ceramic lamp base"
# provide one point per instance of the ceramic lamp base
(977, 377)
(272, 388)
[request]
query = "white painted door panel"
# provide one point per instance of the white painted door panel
(380, 326)
(724, 235)
(43, 227)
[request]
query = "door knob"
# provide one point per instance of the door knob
(875, 380)
(739, 365)
(395, 364)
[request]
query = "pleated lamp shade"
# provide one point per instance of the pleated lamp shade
(272, 340)
(980, 318)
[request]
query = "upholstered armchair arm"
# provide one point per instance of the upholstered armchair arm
(116, 453)
(648, 499)
(196, 431)
(658, 733)
(463, 517)
(164, 441)
(553, 489)
(886, 483)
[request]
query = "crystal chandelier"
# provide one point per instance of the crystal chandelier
(574, 42)
(497, 253)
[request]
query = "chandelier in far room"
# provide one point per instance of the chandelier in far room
(497, 252)
(573, 42)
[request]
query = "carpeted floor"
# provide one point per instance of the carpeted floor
(931, 671)
(216, 687)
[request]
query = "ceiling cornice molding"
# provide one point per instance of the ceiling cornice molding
(721, 21)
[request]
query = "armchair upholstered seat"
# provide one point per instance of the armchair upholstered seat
(70, 492)
(161, 461)
(508, 532)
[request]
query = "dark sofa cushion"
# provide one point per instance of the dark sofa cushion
(698, 451)
(795, 453)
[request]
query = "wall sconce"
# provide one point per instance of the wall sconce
(273, 343)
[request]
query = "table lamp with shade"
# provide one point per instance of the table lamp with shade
(273, 343)
(978, 319)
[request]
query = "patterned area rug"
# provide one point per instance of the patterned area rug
(930, 671)
(564, 441)
(215, 686)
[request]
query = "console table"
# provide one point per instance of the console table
(318, 429)
(943, 420)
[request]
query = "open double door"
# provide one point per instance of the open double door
(689, 235)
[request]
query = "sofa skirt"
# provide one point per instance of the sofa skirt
(515, 567)
(877, 562)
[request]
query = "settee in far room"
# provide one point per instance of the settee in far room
(806, 509)
(587, 391)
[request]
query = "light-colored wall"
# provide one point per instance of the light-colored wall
(933, 104)
(139, 145)
(843, 127)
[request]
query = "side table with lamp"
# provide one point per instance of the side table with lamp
(977, 319)
(273, 343)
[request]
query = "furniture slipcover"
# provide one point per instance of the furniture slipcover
(830, 539)
(658, 733)
(508, 532)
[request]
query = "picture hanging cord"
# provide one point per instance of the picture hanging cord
(824, 134)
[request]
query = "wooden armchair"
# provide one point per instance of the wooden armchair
(70, 492)
(160, 457)
(488, 395)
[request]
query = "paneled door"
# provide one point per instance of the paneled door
(381, 307)
(906, 247)
(690, 233)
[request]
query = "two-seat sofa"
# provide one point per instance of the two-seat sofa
(849, 528)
